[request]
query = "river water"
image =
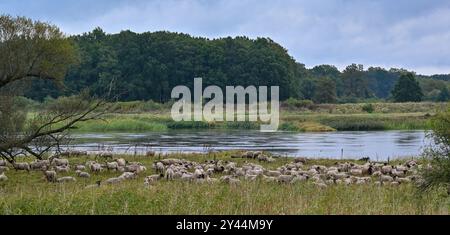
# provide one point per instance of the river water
(378, 145)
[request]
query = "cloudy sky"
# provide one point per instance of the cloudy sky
(403, 33)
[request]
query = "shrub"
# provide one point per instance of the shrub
(368, 108)
(439, 153)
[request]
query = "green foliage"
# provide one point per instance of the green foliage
(444, 95)
(439, 154)
(325, 91)
(368, 108)
(146, 66)
(292, 103)
(407, 89)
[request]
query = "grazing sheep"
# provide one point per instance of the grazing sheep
(39, 165)
(170, 173)
(95, 167)
(233, 181)
(377, 173)
(403, 180)
(299, 178)
(272, 173)
(150, 154)
(82, 174)
(356, 172)
(96, 185)
(3, 177)
(284, 178)
(114, 180)
(159, 167)
(269, 179)
(3, 169)
(386, 169)
(128, 175)
(121, 162)
(50, 176)
(60, 169)
(112, 166)
(152, 179)
(398, 173)
(60, 162)
(386, 178)
(66, 179)
(23, 166)
(199, 173)
(105, 155)
(300, 160)
(187, 176)
(320, 184)
(80, 167)
(250, 177)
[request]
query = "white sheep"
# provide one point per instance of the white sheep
(39, 165)
(269, 179)
(187, 176)
(66, 179)
(112, 165)
(159, 167)
(284, 178)
(299, 178)
(398, 173)
(128, 175)
(386, 169)
(50, 176)
(82, 174)
(170, 173)
(403, 180)
(95, 167)
(272, 173)
(152, 178)
(114, 180)
(80, 167)
(386, 178)
(121, 162)
(60, 162)
(3, 177)
(24, 166)
(320, 184)
(356, 172)
(60, 169)
(3, 169)
(3, 163)
(250, 177)
(96, 185)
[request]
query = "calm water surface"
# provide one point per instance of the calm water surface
(356, 144)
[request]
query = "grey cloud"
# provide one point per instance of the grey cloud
(409, 34)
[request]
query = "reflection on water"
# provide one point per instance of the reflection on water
(374, 144)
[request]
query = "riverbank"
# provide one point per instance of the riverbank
(289, 121)
(28, 193)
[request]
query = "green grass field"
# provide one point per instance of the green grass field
(28, 193)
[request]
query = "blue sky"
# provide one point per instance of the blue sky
(411, 34)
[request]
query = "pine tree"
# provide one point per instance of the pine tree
(407, 89)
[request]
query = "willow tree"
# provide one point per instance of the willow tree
(31, 50)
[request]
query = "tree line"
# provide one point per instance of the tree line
(146, 66)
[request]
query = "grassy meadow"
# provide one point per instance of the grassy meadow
(28, 193)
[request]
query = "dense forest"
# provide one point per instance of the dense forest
(147, 66)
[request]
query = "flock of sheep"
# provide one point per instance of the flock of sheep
(225, 171)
